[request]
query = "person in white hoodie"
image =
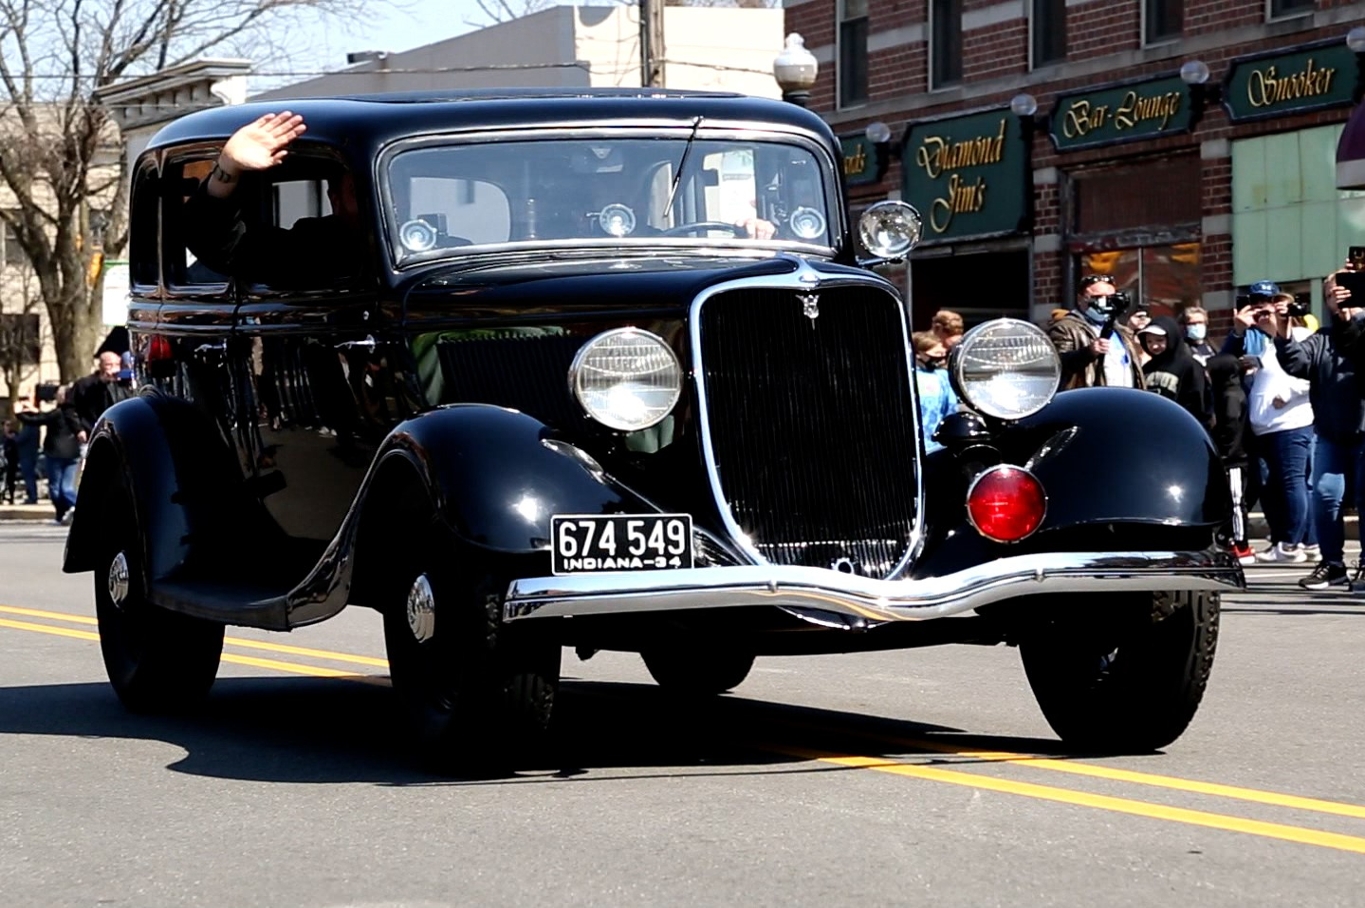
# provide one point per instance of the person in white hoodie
(1281, 418)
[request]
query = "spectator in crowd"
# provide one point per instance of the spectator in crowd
(1089, 360)
(1195, 321)
(9, 461)
(1055, 314)
(64, 433)
(1339, 421)
(1281, 417)
(100, 390)
(1139, 319)
(947, 327)
(937, 399)
(1172, 370)
(27, 443)
(1229, 433)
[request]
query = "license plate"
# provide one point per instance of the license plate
(592, 543)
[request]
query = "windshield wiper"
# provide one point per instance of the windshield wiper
(682, 162)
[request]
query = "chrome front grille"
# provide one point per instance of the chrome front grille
(810, 425)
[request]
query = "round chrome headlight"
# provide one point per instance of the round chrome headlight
(1006, 368)
(626, 379)
(890, 229)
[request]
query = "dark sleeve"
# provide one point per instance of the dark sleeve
(35, 419)
(220, 237)
(1073, 358)
(1297, 358)
(1234, 343)
(1196, 395)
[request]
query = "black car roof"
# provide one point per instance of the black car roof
(372, 120)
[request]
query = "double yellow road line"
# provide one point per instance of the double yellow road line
(904, 766)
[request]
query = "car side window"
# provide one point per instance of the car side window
(182, 267)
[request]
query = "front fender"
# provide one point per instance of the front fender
(1122, 470)
(497, 476)
(1112, 455)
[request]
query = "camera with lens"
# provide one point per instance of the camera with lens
(1300, 307)
(1116, 302)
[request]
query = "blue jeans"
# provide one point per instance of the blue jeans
(1338, 471)
(1288, 454)
(28, 470)
(61, 484)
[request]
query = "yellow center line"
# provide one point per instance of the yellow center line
(1235, 792)
(296, 668)
(1224, 822)
(231, 641)
(1085, 799)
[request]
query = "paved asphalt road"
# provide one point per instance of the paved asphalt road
(912, 778)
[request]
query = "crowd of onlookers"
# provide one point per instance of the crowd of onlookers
(1278, 396)
(50, 443)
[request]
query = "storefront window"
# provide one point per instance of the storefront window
(1163, 279)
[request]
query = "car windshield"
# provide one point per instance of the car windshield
(611, 190)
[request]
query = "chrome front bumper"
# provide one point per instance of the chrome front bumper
(876, 600)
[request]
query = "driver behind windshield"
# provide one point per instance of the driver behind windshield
(320, 249)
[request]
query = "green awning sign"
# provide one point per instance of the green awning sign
(860, 160)
(1270, 85)
(968, 176)
(1121, 113)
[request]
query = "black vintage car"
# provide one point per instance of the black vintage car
(603, 370)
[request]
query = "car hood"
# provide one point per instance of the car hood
(648, 285)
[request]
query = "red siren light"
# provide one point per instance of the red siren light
(1006, 503)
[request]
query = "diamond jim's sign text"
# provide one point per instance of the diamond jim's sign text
(1303, 80)
(1122, 113)
(967, 175)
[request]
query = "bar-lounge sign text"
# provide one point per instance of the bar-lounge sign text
(1121, 113)
(1310, 78)
(966, 175)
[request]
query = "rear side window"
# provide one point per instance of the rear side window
(183, 268)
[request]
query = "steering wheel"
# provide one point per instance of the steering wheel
(694, 228)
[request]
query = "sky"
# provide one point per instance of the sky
(402, 25)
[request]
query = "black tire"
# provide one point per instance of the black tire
(157, 660)
(697, 671)
(1127, 685)
(476, 695)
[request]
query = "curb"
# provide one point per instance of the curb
(27, 512)
(1257, 528)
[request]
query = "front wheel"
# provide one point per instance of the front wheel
(475, 694)
(1130, 682)
(157, 660)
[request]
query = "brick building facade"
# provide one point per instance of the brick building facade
(1183, 191)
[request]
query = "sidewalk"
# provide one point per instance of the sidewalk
(40, 511)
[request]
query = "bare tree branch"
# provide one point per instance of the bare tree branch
(55, 56)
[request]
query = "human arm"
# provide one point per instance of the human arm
(1297, 358)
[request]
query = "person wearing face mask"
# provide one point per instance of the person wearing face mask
(1089, 360)
(937, 399)
(1195, 322)
(1171, 370)
(1328, 361)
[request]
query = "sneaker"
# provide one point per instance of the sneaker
(1244, 554)
(1313, 552)
(1281, 553)
(1325, 575)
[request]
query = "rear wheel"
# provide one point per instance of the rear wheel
(699, 670)
(1128, 684)
(157, 660)
(475, 694)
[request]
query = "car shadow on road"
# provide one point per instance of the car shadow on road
(334, 731)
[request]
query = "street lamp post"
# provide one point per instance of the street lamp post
(795, 70)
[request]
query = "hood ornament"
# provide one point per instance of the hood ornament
(810, 306)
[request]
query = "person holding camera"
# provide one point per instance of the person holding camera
(1327, 360)
(1281, 418)
(1095, 350)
